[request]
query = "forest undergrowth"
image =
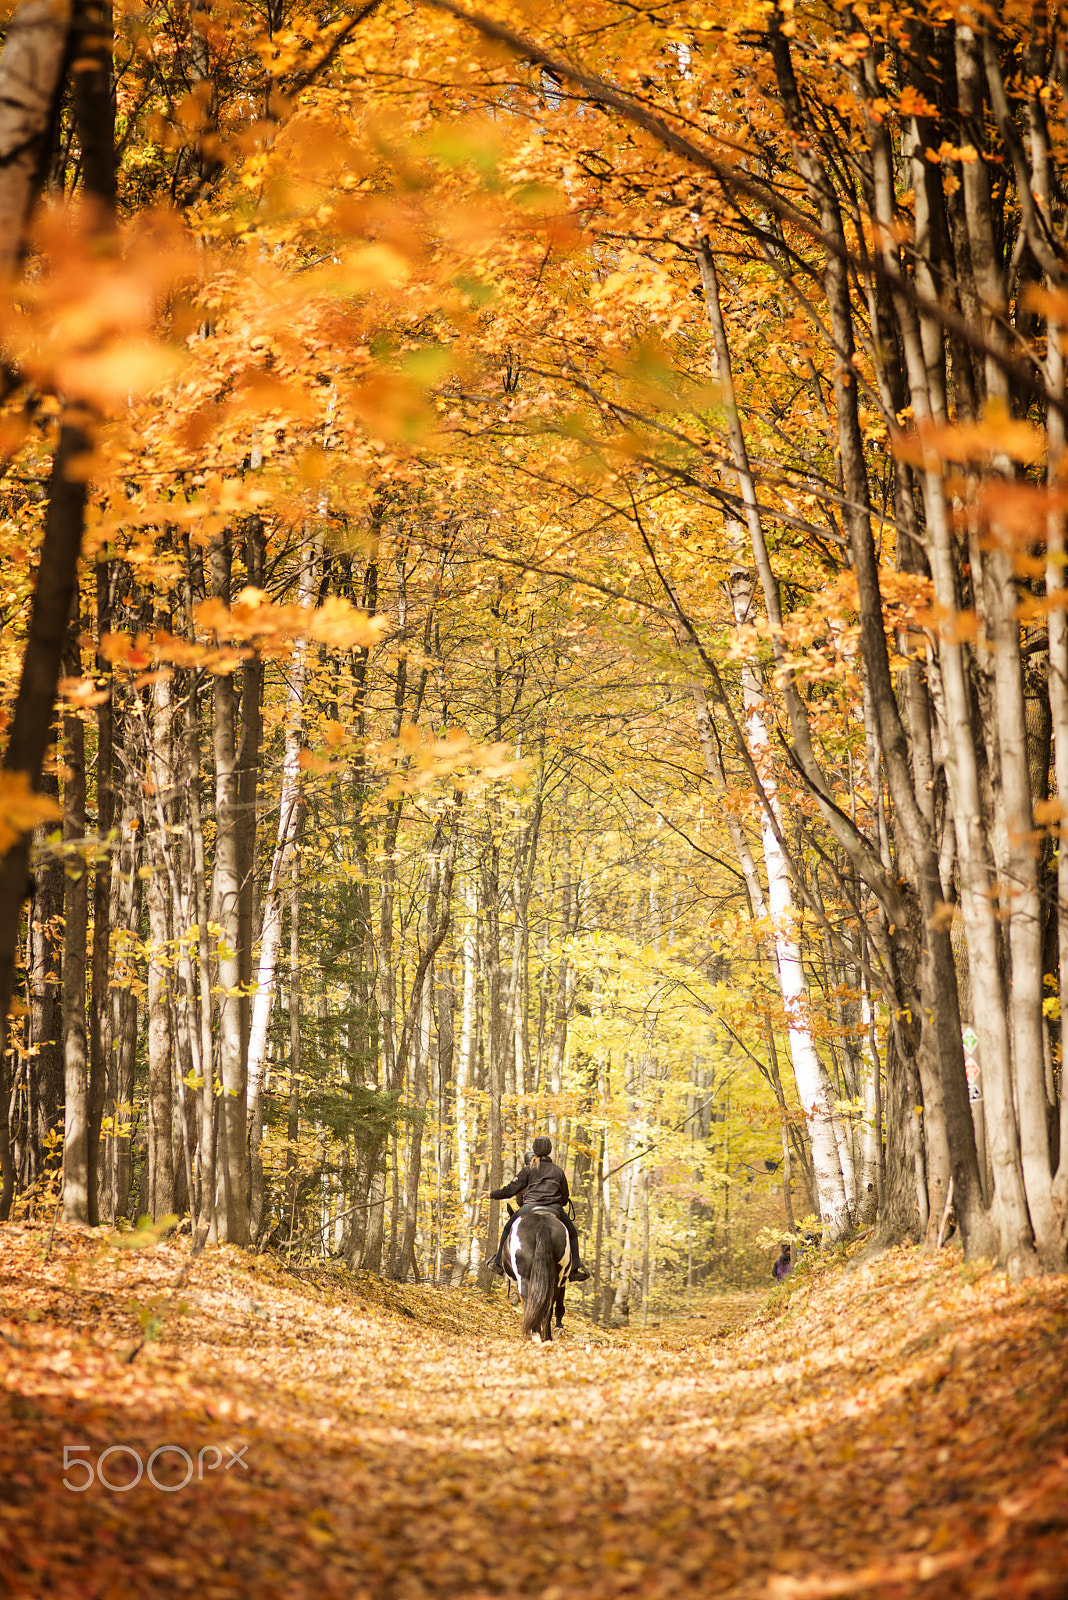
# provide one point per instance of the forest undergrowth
(896, 1426)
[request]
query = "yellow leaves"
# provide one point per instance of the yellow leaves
(741, 1423)
(848, 51)
(941, 918)
(955, 627)
(1019, 509)
(81, 693)
(21, 809)
(1047, 812)
(86, 325)
(120, 650)
(252, 622)
(253, 617)
(370, 268)
(107, 377)
(994, 435)
(14, 431)
(911, 103)
(1049, 303)
(341, 626)
(424, 761)
(392, 407)
(1049, 817)
(475, 143)
(636, 283)
(953, 152)
(319, 1528)
(258, 389)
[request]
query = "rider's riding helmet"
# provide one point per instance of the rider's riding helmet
(543, 1146)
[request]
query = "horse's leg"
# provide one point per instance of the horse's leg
(560, 1306)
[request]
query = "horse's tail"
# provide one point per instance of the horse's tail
(540, 1287)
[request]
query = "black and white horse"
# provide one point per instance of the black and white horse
(538, 1257)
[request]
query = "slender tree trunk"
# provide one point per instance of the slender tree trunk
(495, 1047)
(31, 723)
(102, 876)
(31, 83)
(289, 825)
(628, 1217)
(200, 1018)
(227, 899)
(1056, 587)
(124, 921)
(813, 1084)
(45, 975)
(872, 1175)
(161, 1063)
(293, 1113)
(407, 1264)
(94, 110)
(76, 1198)
(248, 766)
(466, 1116)
(160, 1054)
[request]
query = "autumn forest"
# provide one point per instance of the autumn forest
(534, 600)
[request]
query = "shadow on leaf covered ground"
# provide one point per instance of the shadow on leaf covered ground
(898, 1428)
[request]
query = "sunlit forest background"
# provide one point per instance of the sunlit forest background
(532, 585)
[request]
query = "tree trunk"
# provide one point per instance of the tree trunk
(125, 924)
(293, 1110)
(495, 1048)
(466, 1115)
(200, 1019)
(31, 723)
(289, 825)
(76, 1168)
(248, 767)
(31, 83)
(161, 1142)
(226, 899)
(813, 1084)
(45, 976)
(106, 575)
(1056, 588)
(940, 998)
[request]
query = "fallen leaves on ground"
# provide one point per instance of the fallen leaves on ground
(891, 1428)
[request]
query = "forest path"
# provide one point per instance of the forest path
(899, 1428)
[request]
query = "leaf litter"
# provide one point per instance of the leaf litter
(892, 1427)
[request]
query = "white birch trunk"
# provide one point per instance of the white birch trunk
(813, 1084)
(1056, 583)
(868, 1195)
(466, 1119)
(628, 1214)
(281, 863)
(31, 67)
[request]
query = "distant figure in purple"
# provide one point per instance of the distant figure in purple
(781, 1269)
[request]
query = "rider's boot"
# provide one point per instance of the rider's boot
(578, 1273)
(496, 1268)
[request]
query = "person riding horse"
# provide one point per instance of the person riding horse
(541, 1183)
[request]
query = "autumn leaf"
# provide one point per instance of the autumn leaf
(21, 809)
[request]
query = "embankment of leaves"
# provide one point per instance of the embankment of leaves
(893, 1427)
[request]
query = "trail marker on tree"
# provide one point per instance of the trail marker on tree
(970, 1041)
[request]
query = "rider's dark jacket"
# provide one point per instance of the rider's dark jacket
(545, 1185)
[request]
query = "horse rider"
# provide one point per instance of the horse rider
(541, 1183)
